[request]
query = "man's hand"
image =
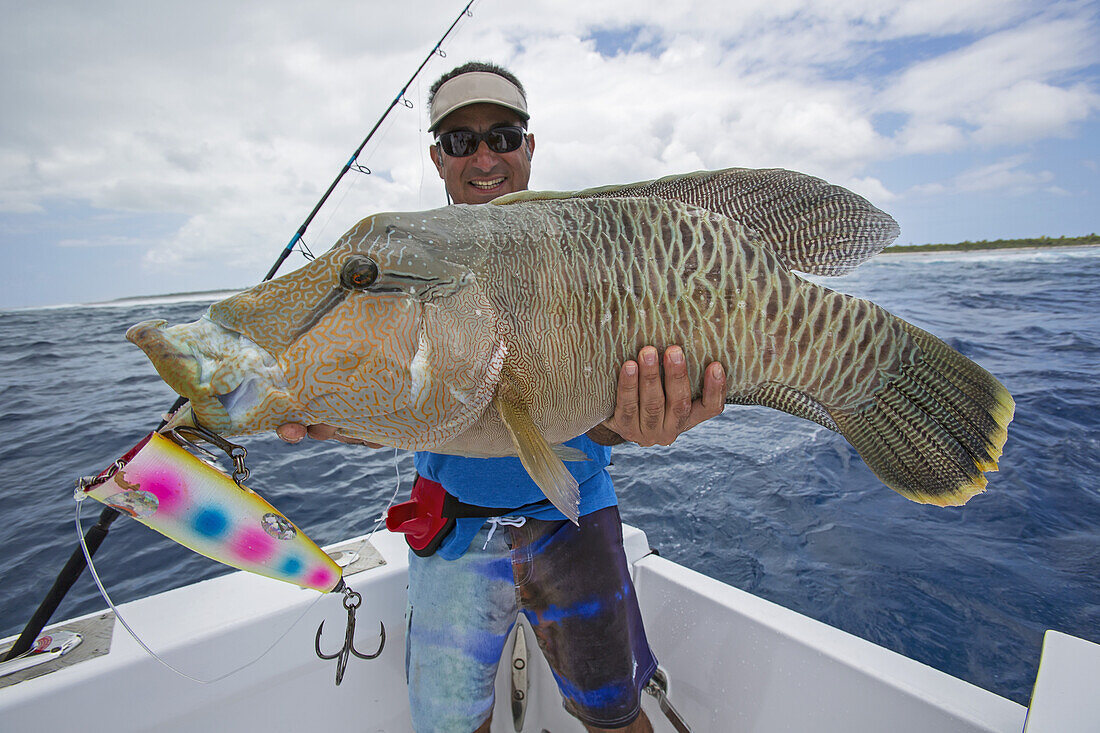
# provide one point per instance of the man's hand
(648, 412)
(293, 432)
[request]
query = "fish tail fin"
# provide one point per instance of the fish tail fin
(934, 429)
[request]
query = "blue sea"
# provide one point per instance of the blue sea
(769, 503)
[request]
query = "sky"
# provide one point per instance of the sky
(157, 147)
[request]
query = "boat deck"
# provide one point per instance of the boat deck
(734, 663)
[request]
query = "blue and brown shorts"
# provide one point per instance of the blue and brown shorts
(574, 586)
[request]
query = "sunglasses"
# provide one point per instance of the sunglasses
(463, 143)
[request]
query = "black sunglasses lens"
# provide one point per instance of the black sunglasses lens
(504, 139)
(461, 143)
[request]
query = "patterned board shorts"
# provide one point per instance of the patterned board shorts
(574, 586)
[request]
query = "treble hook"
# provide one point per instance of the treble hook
(352, 601)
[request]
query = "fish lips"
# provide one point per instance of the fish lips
(226, 376)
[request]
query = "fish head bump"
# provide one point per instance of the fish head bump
(388, 336)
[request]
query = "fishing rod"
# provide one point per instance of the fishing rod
(95, 536)
(351, 161)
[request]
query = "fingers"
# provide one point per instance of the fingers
(677, 394)
(293, 432)
(626, 397)
(713, 400)
(654, 407)
(341, 438)
(322, 431)
(714, 391)
(651, 397)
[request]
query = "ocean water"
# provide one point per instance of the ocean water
(769, 503)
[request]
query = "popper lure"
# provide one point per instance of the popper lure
(168, 489)
(189, 501)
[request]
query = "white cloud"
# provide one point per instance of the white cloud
(1007, 87)
(945, 17)
(1005, 175)
(870, 188)
(924, 136)
(105, 242)
(928, 189)
(234, 117)
(1009, 176)
(1030, 110)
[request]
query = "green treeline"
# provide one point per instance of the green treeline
(998, 244)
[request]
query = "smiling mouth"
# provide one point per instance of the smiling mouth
(487, 185)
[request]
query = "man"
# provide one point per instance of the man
(571, 582)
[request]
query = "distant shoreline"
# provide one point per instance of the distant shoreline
(1039, 243)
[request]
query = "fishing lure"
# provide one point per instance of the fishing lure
(189, 501)
(169, 489)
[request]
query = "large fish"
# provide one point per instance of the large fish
(499, 329)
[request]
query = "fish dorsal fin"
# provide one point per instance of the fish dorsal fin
(535, 453)
(813, 226)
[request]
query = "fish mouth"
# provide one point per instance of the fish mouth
(226, 376)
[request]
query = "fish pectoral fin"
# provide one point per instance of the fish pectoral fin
(540, 459)
(569, 453)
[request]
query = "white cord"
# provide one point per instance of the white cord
(393, 498)
(79, 496)
(495, 522)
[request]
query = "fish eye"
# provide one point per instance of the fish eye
(358, 273)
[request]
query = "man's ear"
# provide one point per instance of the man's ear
(433, 151)
(530, 146)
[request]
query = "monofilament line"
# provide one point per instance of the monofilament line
(103, 592)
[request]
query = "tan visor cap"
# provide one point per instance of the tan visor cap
(475, 87)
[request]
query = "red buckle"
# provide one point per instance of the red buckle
(421, 519)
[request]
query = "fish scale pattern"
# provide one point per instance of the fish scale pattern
(648, 271)
(343, 371)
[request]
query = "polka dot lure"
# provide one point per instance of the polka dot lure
(166, 488)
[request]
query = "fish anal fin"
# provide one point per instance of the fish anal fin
(790, 400)
(537, 455)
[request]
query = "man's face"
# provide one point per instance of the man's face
(481, 177)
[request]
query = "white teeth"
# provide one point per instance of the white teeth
(487, 184)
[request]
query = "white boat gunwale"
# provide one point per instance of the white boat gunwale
(734, 661)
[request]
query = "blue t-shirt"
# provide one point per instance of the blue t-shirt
(504, 482)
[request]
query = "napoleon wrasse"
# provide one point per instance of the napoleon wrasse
(499, 329)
